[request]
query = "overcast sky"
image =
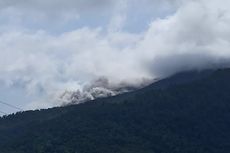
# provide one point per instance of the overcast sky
(48, 47)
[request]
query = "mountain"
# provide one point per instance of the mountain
(186, 113)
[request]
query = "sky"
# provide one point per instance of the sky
(54, 52)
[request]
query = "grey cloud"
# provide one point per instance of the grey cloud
(56, 4)
(195, 36)
(65, 15)
(168, 65)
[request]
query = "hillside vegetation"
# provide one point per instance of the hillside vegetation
(186, 113)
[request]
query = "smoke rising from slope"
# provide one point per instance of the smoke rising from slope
(66, 67)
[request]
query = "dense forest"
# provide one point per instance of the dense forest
(186, 113)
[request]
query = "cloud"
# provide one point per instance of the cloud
(54, 16)
(196, 36)
(57, 16)
(63, 67)
(56, 5)
(46, 64)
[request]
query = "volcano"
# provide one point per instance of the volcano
(188, 112)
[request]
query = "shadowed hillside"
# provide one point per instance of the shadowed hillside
(186, 113)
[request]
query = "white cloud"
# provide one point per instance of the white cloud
(196, 36)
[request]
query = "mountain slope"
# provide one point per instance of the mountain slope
(190, 115)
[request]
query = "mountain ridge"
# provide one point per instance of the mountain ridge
(190, 116)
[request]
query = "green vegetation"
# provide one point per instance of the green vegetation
(188, 117)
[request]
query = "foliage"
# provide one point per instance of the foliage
(191, 117)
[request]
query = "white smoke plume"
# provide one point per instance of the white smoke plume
(99, 88)
(65, 67)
